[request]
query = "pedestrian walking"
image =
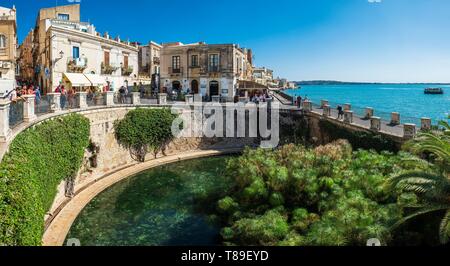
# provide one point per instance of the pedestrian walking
(340, 112)
(122, 94)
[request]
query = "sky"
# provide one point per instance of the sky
(347, 40)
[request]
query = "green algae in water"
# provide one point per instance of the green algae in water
(170, 205)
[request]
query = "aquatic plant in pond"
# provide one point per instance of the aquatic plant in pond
(328, 196)
(168, 205)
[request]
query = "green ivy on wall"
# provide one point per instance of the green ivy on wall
(145, 130)
(39, 159)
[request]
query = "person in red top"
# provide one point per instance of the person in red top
(30, 90)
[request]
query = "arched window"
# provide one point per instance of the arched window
(2, 41)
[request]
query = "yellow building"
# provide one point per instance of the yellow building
(8, 49)
(25, 58)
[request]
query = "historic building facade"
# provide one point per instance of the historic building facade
(206, 69)
(8, 43)
(25, 58)
(150, 62)
(68, 51)
(263, 76)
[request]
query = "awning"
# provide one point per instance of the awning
(96, 80)
(77, 79)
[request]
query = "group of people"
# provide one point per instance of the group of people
(26, 89)
(67, 98)
(260, 97)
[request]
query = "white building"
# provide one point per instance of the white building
(78, 49)
(263, 75)
(73, 53)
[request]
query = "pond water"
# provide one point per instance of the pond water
(164, 206)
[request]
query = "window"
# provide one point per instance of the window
(2, 41)
(75, 52)
(106, 58)
(176, 63)
(214, 62)
(194, 60)
(125, 61)
(63, 16)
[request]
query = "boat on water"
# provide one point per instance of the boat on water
(434, 91)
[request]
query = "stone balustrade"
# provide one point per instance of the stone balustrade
(307, 106)
(28, 108)
(189, 99)
(109, 98)
(5, 130)
(326, 111)
(375, 124)
(348, 117)
(215, 99)
(395, 119)
(54, 100)
(135, 98)
(162, 98)
(409, 131)
(81, 100)
(369, 113)
(425, 124)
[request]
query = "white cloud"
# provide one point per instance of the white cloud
(374, 1)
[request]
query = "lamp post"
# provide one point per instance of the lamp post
(61, 56)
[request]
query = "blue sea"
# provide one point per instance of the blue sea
(408, 100)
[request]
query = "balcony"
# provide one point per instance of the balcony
(76, 65)
(126, 71)
(108, 69)
(176, 71)
(213, 69)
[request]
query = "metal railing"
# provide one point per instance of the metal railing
(15, 113)
(175, 71)
(93, 99)
(42, 105)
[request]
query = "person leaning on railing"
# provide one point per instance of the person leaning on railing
(15, 96)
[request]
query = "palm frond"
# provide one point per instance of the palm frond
(426, 210)
(416, 175)
(444, 229)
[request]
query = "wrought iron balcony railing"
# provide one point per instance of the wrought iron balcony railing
(126, 71)
(175, 71)
(108, 69)
(76, 65)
